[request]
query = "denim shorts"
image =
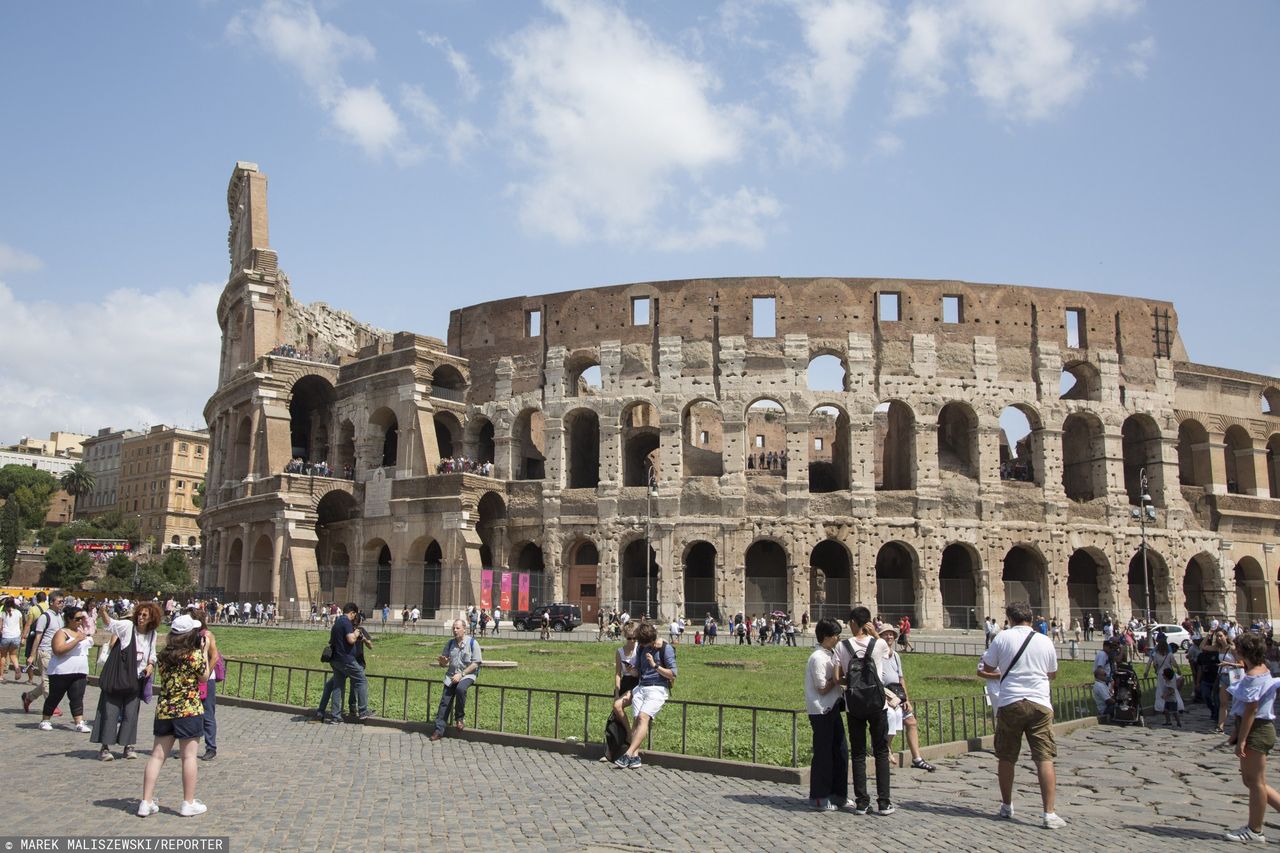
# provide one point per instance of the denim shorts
(183, 728)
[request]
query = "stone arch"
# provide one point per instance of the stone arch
(958, 580)
(1251, 591)
(1273, 465)
(448, 434)
(1269, 401)
(381, 553)
(479, 439)
(829, 449)
(830, 581)
(895, 446)
(1088, 583)
(529, 438)
(582, 563)
(582, 449)
(346, 461)
(242, 450)
(766, 432)
(765, 576)
(958, 439)
(1156, 586)
(384, 425)
(1025, 576)
(432, 570)
(310, 410)
(1239, 459)
(191, 541)
(703, 447)
(446, 377)
(1143, 449)
(1195, 466)
(1084, 457)
(633, 561)
(335, 510)
(827, 372)
(700, 580)
(582, 375)
(640, 441)
(1197, 585)
(527, 558)
(235, 554)
(1021, 444)
(491, 526)
(1080, 381)
(897, 582)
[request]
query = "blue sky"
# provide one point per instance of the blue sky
(425, 155)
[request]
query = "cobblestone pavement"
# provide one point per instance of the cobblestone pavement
(280, 783)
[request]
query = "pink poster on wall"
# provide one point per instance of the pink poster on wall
(504, 591)
(524, 591)
(486, 589)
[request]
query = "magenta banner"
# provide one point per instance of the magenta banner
(486, 589)
(504, 591)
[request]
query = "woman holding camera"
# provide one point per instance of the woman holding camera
(117, 718)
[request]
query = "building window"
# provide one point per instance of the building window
(639, 310)
(1076, 338)
(704, 437)
(764, 317)
(533, 323)
(182, 448)
(817, 444)
(759, 441)
(890, 307)
(180, 485)
(952, 309)
(199, 451)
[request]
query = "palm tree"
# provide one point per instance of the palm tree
(77, 482)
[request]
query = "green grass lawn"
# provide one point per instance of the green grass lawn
(405, 683)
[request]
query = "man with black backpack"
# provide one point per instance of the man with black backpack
(40, 646)
(861, 657)
(1023, 662)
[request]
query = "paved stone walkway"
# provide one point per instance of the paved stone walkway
(280, 783)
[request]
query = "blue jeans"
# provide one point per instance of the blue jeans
(456, 695)
(211, 721)
(336, 687)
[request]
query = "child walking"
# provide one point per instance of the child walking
(1168, 697)
(1253, 706)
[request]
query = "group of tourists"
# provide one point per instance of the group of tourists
(464, 465)
(56, 642)
(303, 353)
(771, 460)
(298, 465)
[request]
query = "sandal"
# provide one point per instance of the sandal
(921, 764)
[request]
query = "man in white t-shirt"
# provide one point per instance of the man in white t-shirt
(1024, 663)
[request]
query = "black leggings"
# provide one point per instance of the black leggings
(71, 686)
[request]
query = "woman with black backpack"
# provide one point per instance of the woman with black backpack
(861, 657)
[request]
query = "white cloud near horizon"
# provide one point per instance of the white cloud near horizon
(615, 126)
(128, 360)
(16, 260)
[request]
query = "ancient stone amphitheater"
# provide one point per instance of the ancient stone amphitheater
(931, 448)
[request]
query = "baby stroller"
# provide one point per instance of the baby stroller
(1127, 705)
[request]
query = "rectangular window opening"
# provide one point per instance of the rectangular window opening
(764, 317)
(639, 310)
(1075, 329)
(817, 444)
(890, 305)
(704, 437)
(952, 309)
(533, 323)
(759, 441)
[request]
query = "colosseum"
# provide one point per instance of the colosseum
(931, 448)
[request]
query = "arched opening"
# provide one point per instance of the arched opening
(243, 449)
(334, 575)
(703, 446)
(191, 541)
(480, 439)
(827, 373)
(1273, 465)
(1024, 577)
(958, 440)
(1084, 458)
(582, 453)
(766, 578)
(174, 540)
(259, 571)
(529, 560)
(448, 383)
(1087, 574)
(640, 440)
(896, 582)
(334, 515)
(1140, 439)
(383, 424)
(1021, 440)
(766, 438)
(530, 439)
(382, 572)
(828, 450)
(1080, 381)
(235, 555)
(1251, 592)
(1195, 467)
(310, 410)
(700, 581)
(582, 378)
(895, 447)
(432, 568)
(584, 579)
(635, 558)
(1153, 590)
(448, 435)
(958, 579)
(491, 527)
(1197, 586)
(1270, 401)
(1239, 458)
(830, 581)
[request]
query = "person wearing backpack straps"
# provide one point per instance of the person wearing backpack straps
(40, 650)
(461, 660)
(860, 658)
(1024, 662)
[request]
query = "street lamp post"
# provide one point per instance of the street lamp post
(648, 536)
(1144, 512)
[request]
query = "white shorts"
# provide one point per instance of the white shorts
(648, 700)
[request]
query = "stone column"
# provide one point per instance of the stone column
(224, 547)
(1218, 466)
(277, 546)
(247, 547)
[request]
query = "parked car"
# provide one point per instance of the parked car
(564, 617)
(1176, 635)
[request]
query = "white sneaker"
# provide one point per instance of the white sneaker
(192, 808)
(46, 726)
(1052, 821)
(1006, 811)
(83, 727)
(147, 808)
(885, 811)
(1246, 835)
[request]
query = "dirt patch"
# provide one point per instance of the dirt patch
(735, 664)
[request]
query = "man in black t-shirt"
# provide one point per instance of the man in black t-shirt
(343, 637)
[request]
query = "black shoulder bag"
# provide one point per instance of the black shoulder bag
(119, 674)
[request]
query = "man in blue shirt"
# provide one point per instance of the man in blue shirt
(343, 637)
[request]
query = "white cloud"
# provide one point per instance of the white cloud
(467, 80)
(1140, 55)
(364, 115)
(613, 123)
(130, 359)
(735, 220)
(458, 136)
(888, 143)
(16, 260)
(921, 61)
(842, 36)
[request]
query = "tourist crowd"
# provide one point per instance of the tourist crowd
(464, 465)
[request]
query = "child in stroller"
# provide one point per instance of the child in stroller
(1127, 706)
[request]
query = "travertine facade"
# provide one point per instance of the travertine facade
(899, 488)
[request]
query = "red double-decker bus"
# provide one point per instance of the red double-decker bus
(102, 546)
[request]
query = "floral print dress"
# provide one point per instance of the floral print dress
(180, 687)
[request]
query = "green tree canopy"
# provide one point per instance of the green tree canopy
(64, 567)
(31, 489)
(10, 538)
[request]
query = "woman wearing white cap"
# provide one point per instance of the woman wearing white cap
(181, 668)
